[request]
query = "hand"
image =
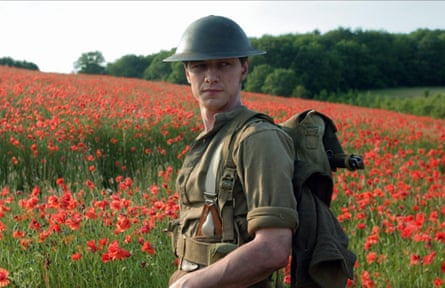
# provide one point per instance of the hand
(182, 282)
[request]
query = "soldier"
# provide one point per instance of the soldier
(225, 240)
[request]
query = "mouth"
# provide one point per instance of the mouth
(211, 90)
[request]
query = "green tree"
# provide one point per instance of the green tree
(158, 70)
(281, 82)
(8, 61)
(316, 67)
(256, 78)
(131, 66)
(178, 74)
(90, 63)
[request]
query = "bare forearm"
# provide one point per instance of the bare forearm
(245, 266)
(241, 268)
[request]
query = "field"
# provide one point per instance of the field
(88, 166)
(408, 92)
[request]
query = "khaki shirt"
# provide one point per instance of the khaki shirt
(263, 196)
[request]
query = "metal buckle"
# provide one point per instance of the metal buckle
(188, 266)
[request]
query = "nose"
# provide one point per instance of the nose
(211, 75)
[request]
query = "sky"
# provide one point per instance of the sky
(54, 34)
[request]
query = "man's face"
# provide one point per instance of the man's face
(216, 84)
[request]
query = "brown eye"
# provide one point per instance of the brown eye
(224, 64)
(197, 67)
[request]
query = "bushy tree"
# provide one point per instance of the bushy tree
(131, 66)
(158, 70)
(178, 74)
(337, 62)
(256, 78)
(90, 63)
(8, 61)
(281, 82)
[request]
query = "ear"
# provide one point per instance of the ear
(187, 74)
(245, 70)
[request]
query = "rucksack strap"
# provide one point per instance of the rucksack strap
(229, 175)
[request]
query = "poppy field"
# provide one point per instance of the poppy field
(88, 166)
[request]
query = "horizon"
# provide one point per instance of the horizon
(50, 35)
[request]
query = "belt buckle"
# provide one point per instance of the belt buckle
(188, 266)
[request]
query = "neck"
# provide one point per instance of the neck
(208, 116)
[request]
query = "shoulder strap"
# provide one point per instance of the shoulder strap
(228, 175)
(233, 130)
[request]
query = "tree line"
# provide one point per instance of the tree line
(310, 65)
(8, 61)
(343, 60)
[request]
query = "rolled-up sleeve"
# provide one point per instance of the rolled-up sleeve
(266, 172)
(267, 217)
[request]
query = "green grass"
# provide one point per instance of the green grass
(411, 92)
(420, 101)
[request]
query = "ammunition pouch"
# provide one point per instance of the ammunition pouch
(202, 253)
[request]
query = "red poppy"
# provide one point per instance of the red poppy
(4, 280)
(76, 256)
(115, 252)
(147, 247)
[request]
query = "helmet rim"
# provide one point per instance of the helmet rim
(213, 37)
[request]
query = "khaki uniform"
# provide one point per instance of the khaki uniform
(263, 194)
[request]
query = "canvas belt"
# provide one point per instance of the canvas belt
(193, 250)
(202, 253)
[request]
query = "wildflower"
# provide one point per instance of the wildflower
(361, 226)
(371, 257)
(438, 282)
(440, 236)
(90, 213)
(74, 222)
(2, 227)
(4, 274)
(119, 179)
(428, 259)
(154, 189)
(147, 247)
(67, 201)
(76, 256)
(115, 252)
(18, 234)
(89, 158)
(60, 181)
(44, 234)
(35, 225)
(90, 184)
(366, 280)
(414, 259)
(14, 160)
(52, 202)
(103, 242)
(123, 223)
(92, 246)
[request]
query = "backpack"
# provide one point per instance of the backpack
(320, 257)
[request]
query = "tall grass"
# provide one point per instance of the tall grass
(421, 101)
(88, 166)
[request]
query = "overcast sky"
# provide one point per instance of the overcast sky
(53, 34)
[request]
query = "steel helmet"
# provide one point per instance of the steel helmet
(213, 37)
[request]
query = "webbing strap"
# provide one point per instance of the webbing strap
(228, 176)
(193, 250)
(226, 186)
(210, 222)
